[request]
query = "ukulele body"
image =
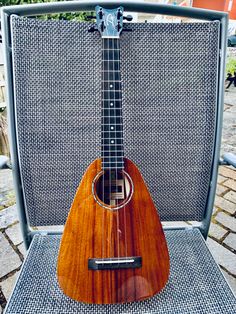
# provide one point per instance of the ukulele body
(101, 235)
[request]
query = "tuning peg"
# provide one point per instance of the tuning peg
(92, 29)
(119, 14)
(100, 14)
(118, 26)
(102, 26)
(128, 18)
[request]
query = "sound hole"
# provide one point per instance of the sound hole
(112, 189)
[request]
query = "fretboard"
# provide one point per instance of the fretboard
(112, 122)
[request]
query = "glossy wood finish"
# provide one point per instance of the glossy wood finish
(94, 232)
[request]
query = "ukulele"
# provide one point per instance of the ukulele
(113, 249)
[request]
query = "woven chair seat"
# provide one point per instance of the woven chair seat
(196, 284)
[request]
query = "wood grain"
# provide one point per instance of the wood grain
(94, 232)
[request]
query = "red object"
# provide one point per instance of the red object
(230, 7)
(219, 5)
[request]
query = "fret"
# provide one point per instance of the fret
(107, 128)
(112, 116)
(112, 112)
(108, 167)
(111, 120)
(107, 142)
(117, 124)
(112, 164)
(111, 90)
(106, 86)
(113, 151)
(110, 49)
(111, 54)
(112, 154)
(112, 141)
(115, 133)
(111, 76)
(112, 138)
(113, 130)
(112, 103)
(112, 100)
(115, 163)
(110, 43)
(111, 81)
(112, 134)
(112, 127)
(112, 60)
(113, 158)
(106, 115)
(113, 147)
(114, 95)
(109, 65)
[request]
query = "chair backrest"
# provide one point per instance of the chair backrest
(169, 81)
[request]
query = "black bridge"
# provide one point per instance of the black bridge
(114, 263)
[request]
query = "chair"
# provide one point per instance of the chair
(172, 76)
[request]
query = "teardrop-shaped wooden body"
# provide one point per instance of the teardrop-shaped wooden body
(92, 231)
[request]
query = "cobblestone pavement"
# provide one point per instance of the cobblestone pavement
(222, 234)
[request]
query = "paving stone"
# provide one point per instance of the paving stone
(226, 172)
(7, 199)
(220, 190)
(22, 249)
(231, 196)
(222, 256)
(231, 280)
(7, 194)
(226, 107)
(230, 94)
(226, 220)
(214, 210)
(225, 204)
(217, 231)
(225, 147)
(9, 260)
(8, 216)
(6, 180)
(8, 285)
(14, 234)
(221, 179)
(230, 240)
(230, 184)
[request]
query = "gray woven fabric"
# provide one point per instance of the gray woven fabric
(169, 76)
(196, 285)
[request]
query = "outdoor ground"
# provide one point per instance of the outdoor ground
(222, 235)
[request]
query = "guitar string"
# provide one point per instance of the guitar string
(116, 170)
(122, 136)
(109, 170)
(103, 173)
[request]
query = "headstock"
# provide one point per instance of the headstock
(109, 22)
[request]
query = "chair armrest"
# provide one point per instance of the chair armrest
(4, 162)
(228, 159)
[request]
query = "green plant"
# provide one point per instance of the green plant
(230, 65)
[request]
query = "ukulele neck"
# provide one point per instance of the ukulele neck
(112, 122)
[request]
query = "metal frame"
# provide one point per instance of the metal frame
(137, 6)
